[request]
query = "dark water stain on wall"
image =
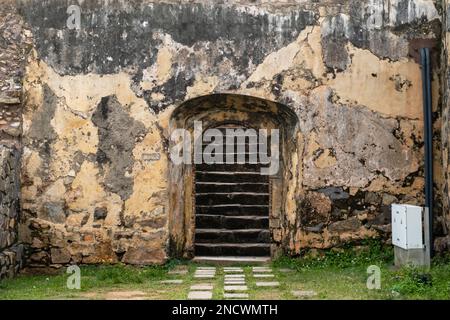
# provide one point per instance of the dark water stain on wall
(117, 35)
(376, 28)
(118, 134)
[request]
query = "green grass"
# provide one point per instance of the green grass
(334, 274)
(342, 274)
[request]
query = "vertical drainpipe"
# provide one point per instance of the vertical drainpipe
(428, 137)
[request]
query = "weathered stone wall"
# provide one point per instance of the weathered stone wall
(15, 42)
(99, 100)
(11, 253)
(442, 244)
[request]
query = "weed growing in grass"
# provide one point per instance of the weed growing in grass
(410, 280)
(415, 283)
(370, 252)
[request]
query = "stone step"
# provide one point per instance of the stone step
(231, 198)
(232, 154)
(232, 249)
(233, 210)
(232, 260)
(202, 187)
(235, 143)
(237, 157)
(204, 221)
(247, 167)
(232, 236)
(224, 176)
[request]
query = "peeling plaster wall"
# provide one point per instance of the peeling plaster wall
(95, 168)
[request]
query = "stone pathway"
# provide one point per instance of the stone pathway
(238, 283)
(205, 273)
(234, 283)
(263, 276)
(202, 291)
(264, 273)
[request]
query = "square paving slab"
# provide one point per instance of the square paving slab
(261, 270)
(204, 276)
(235, 288)
(234, 282)
(235, 295)
(267, 284)
(200, 295)
(234, 279)
(233, 270)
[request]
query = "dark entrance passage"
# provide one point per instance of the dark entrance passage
(231, 206)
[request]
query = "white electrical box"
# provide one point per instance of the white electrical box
(407, 231)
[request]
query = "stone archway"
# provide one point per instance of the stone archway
(212, 111)
(232, 197)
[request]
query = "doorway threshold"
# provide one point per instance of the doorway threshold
(227, 260)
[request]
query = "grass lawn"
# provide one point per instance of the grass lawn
(331, 275)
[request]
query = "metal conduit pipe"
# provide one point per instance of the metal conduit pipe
(428, 137)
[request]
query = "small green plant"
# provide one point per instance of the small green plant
(368, 253)
(412, 281)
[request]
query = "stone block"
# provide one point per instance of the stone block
(200, 295)
(349, 225)
(231, 288)
(60, 255)
(267, 284)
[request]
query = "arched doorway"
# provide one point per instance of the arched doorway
(191, 206)
(232, 199)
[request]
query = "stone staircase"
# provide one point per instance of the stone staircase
(232, 210)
